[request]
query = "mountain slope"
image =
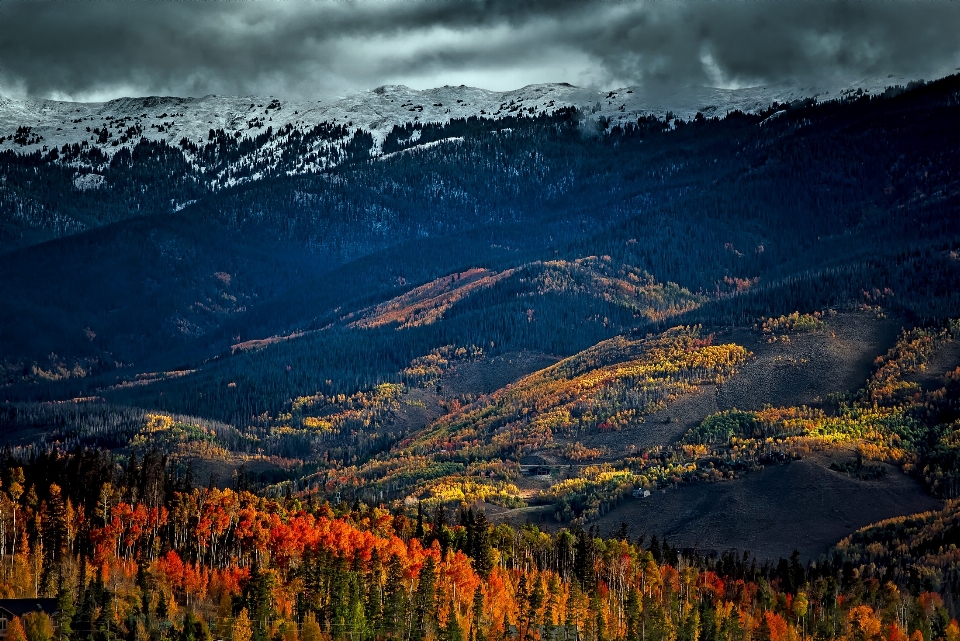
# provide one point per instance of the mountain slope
(171, 119)
(108, 153)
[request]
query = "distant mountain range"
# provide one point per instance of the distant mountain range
(28, 126)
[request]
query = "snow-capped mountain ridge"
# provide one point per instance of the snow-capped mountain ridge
(312, 135)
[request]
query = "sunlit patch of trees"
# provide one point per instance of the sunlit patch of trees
(581, 393)
(426, 370)
(919, 432)
(888, 386)
(795, 322)
(426, 304)
(891, 419)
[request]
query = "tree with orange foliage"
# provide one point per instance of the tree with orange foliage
(896, 634)
(771, 627)
(15, 631)
(864, 623)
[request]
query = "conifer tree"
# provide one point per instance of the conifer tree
(395, 608)
(481, 552)
(476, 628)
(633, 615)
(65, 611)
(423, 605)
(452, 630)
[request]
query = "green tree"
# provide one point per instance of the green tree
(476, 628)
(395, 607)
(633, 615)
(54, 535)
(424, 611)
(257, 596)
(65, 612)
(482, 557)
(452, 630)
(194, 629)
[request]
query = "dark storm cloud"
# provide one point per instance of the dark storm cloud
(105, 48)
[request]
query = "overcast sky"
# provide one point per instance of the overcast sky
(101, 49)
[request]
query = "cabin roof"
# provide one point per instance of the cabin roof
(19, 607)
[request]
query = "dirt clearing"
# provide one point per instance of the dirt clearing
(801, 505)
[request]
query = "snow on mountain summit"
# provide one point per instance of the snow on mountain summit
(126, 120)
(30, 125)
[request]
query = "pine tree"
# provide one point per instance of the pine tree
(144, 585)
(452, 630)
(763, 630)
(655, 550)
(194, 629)
(476, 629)
(106, 629)
(419, 532)
(162, 614)
(424, 611)
(395, 600)
(481, 553)
(633, 615)
(523, 613)
(54, 536)
(82, 622)
(535, 603)
(257, 595)
(440, 531)
(356, 620)
(65, 611)
(601, 634)
(374, 603)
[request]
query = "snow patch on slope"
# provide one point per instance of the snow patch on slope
(83, 182)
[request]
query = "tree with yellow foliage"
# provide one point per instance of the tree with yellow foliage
(241, 630)
(310, 631)
(38, 626)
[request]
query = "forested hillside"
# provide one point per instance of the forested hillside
(444, 387)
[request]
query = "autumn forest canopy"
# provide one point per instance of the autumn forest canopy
(537, 377)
